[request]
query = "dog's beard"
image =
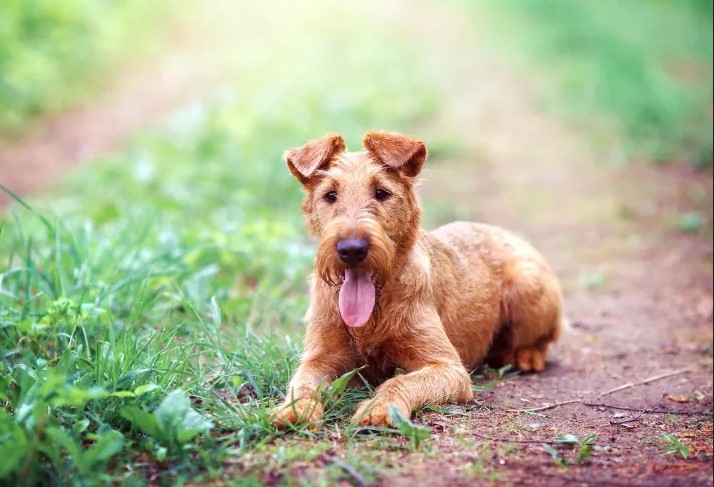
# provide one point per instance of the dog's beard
(358, 287)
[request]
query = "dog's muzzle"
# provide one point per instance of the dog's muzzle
(352, 251)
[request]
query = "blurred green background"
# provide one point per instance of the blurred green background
(176, 260)
(54, 52)
(643, 66)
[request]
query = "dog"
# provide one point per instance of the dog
(387, 294)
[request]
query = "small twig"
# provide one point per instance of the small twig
(646, 411)
(519, 442)
(524, 442)
(543, 408)
(629, 420)
(646, 381)
(356, 476)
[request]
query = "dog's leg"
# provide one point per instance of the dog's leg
(532, 306)
(327, 355)
(436, 375)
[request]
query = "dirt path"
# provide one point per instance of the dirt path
(639, 294)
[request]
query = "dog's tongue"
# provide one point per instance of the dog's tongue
(356, 297)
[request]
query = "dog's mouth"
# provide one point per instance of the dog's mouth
(357, 297)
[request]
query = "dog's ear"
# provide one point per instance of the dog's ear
(397, 151)
(303, 161)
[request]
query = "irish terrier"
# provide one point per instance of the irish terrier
(389, 295)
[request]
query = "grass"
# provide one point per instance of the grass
(53, 51)
(671, 445)
(149, 320)
(638, 71)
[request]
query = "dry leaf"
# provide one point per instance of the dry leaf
(677, 398)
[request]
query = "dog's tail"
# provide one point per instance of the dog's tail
(562, 327)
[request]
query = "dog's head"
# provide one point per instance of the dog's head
(363, 208)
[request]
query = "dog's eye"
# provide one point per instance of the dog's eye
(382, 194)
(331, 196)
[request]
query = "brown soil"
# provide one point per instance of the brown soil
(639, 293)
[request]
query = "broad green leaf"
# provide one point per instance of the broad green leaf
(178, 420)
(14, 446)
(415, 433)
(215, 313)
(193, 424)
(589, 439)
(161, 453)
(185, 435)
(141, 420)
(567, 439)
(76, 396)
(172, 411)
(555, 454)
(81, 426)
(145, 389)
(11, 456)
(107, 445)
(339, 385)
(62, 438)
(122, 394)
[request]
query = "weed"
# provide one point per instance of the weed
(555, 455)
(173, 424)
(486, 377)
(415, 434)
(690, 222)
(506, 371)
(670, 445)
(584, 447)
(479, 466)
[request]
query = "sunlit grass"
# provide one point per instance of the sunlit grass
(180, 264)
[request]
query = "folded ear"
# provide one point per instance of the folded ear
(303, 161)
(397, 151)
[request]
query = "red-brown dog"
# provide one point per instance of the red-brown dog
(390, 295)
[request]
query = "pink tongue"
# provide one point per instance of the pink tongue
(356, 298)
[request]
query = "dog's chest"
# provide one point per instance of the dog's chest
(378, 359)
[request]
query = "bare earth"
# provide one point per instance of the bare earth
(638, 292)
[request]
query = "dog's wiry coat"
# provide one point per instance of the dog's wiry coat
(445, 300)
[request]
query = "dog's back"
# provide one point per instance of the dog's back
(483, 265)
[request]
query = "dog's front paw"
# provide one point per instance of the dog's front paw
(303, 411)
(375, 412)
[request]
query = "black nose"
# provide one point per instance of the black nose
(352, 251)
